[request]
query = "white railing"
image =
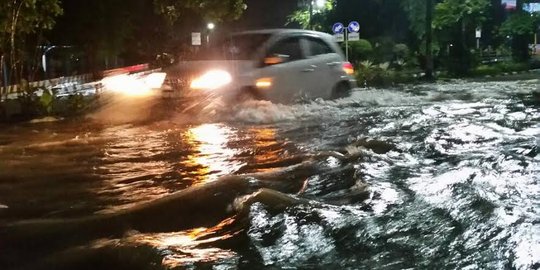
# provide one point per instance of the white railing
(78, 79)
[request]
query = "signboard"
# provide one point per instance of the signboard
(338, 28)
(339, 37)
(532, 7)
(478, 32)
(354, 27)
(196, 39)
(353, 36)
(509, 4)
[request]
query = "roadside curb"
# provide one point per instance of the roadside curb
(505, 74)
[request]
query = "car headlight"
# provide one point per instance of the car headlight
(212, 80)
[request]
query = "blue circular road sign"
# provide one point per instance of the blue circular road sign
(354, 27)
(338, 28)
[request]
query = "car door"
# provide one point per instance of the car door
(293, 76)
(328, 65)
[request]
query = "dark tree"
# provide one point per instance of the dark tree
(429, 40)
(520, 41)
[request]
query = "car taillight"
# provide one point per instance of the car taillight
(348, 68)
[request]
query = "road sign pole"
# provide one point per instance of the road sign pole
(346, 44)
(478, 34)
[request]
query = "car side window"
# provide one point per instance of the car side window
(288, 48)
(318, 47)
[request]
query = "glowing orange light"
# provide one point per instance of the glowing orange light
(263, 83)
(131, 85)
(212, 80)
(348, 68)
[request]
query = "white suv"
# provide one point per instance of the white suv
(280, 65)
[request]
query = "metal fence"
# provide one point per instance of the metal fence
(74, 82)
(14, 89)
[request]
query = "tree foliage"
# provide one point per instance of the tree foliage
(215, 10)
(20, 18)
(317, 21)
(519, 24)
(450, 13)
(28, 16)
(416, 14)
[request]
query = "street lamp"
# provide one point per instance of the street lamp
(210, 26)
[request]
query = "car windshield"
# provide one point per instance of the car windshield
(235, 47)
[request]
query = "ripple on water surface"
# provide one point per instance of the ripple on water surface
(460, 189)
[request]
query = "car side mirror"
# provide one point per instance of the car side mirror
(275, 59)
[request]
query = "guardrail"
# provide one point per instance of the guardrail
(78, 79)
(492, 58)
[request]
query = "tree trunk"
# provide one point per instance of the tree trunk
(429, 40)
(310, 23)
(3, 71)
(13, 55)
(520, 43)
(465, 59)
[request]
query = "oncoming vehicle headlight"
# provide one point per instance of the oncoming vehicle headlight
(212, 80)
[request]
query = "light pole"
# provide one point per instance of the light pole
(44, 57)
(535, 36)
(210, 26)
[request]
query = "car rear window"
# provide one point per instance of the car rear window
(318, 47)
(289, 47)
(243, 47)
(235, 47)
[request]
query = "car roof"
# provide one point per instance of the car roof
(283, 31)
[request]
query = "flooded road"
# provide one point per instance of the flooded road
(451, 171)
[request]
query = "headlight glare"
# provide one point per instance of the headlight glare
(212, 80)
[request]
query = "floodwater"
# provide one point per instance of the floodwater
(451, 170)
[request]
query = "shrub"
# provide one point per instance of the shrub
(511, 66)
(484, 70)
(383, 49)
(369, 74)
(401, 51)
(359, 50)
(28, 100)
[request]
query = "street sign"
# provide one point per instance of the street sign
(353, 36)
(478, 32)
(196, 39)
(354, 27)
(338, 28)
(339, 37)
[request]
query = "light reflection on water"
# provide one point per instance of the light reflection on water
(129, 165)
(183, 248)
(213, 156)
(140, 164)
(460, 191)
